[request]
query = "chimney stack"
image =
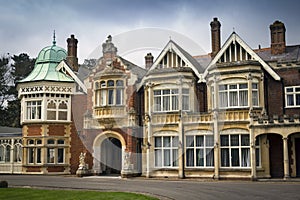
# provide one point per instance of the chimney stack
(148, 61)
(277, 38)
(109, 50)
(72, 53)
(215, 36)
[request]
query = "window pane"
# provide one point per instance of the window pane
(38, 155)
(225, 157)
(166, 92)
(167, 157)
(245, 140)
(243, 98)
(209, 157)
(245, 157)
(175, 157)
(289, 89)
(119, 96)
(190, 141)
(110, 97)
(62, 115)
(50, 155)
(157, 142)
(209, 140)
(157, 103)
(255, 98)
(243, 86)
(234, 140)
(254, 86)
(290, 100)
(175, 141)
(60, 142)
(103, 97)
(158, 157)
(223, 99)
(166, 141)
(199, 141)
(60, 155)
(174, 103)
(30, 155)
(110, 83)
(166, 103)
(157, 92)
(224, 140)
(190, 157)
(297, 99)
(199, 157)
(50, 142)
(233, 99)
(235, 160)
(185, 103)
(120, 83)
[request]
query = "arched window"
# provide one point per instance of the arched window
(2, 153)
(51, 110)
(62, 111)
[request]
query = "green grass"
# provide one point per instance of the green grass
(34, 194)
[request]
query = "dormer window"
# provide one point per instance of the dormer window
(110, 93)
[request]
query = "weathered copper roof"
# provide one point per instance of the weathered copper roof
(45, 66)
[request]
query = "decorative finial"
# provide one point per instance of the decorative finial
(170, 37)
(54, 42)
(233, 29)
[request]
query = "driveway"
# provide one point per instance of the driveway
(185, 189)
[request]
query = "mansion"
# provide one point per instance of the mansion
(233, 113)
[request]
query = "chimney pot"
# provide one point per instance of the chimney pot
(148, 61)
(278, 44)
(72, 52)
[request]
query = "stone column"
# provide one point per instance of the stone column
(216, 129)
(253, 155)
(286, 158)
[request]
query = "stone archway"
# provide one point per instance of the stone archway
(109, 148)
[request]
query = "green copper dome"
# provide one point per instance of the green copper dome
(52, 53)
(46, 63)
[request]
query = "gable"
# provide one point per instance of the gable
(64, 68)
(235, 50)
(173, 56)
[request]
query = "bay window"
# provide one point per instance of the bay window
(166, 151)
(110, 93)
(55, 151)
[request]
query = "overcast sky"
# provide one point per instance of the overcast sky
(27, 25)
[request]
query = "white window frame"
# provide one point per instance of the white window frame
(194, 147)
(29, 109)
(229, 91)
(294, 93)
(102, 91)
(238, 147)
(159, 162)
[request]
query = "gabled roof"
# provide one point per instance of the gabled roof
(235, 38)
(185, 56)
(63, 67)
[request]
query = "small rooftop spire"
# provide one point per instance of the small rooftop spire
(54, 42)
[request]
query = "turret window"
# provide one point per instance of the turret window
(57, 110)
(33, 110)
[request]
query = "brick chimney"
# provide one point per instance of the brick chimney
(109, 50)
(215, 26)
(148, 61)
(277, 38)
(72, 53)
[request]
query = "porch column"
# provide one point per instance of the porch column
(253, 156)
(286, 158)
(148, 121)
(180, 135)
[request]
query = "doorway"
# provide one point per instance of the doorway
(111, 156)
(276, 155)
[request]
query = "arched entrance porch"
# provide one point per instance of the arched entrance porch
(109, 148)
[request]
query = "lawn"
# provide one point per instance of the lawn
(34, 194)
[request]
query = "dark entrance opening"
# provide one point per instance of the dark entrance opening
(111, 156)
(297, 149)
(276, 155)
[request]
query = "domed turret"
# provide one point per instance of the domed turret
(46, 63)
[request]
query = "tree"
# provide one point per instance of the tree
(4, 80)
(19, 68)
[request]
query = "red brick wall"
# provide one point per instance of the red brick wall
(273, 96)
(34, 130)
(55, 169)
(33, 169)
(56, 130)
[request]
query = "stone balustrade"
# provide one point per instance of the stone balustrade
(109, 112)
